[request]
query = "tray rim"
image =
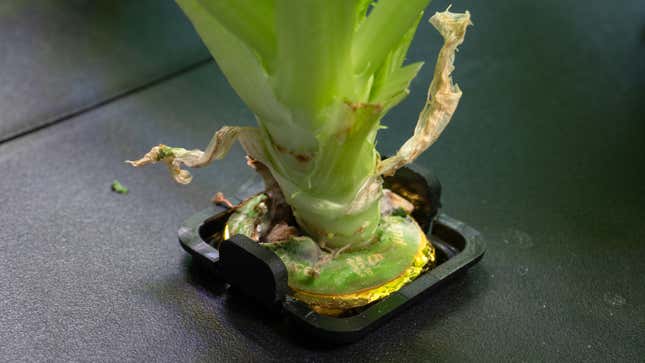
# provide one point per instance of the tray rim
(352, 328)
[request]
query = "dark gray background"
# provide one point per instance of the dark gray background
(544, 156)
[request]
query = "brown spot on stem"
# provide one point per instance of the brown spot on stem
(280, 148)
(301, 157)
(375, 107)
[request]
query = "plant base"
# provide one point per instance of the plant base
(260, 274)
(331, 284)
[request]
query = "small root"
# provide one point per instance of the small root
(340, 250)
(219, 199)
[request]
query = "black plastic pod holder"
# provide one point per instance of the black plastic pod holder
(259, 273)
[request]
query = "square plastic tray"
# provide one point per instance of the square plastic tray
(260, 274)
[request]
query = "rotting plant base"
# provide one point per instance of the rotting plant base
(335, 284)
(258, 273)
(346, 304)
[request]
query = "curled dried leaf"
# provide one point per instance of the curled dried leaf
(218, 147)
(173, 157)
(443, 95)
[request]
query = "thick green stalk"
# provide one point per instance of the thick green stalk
(382, 31)
(319, 76)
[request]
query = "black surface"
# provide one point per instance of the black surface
(58, 57)
(544, 156)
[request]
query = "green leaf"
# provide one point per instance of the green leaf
(395, 88)
(237, 61)
(382, 32)
(252, 21)
(391, 81)
(399, 53)
(346, 158)
(361, 11)
(313, 57)
(117, 187)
